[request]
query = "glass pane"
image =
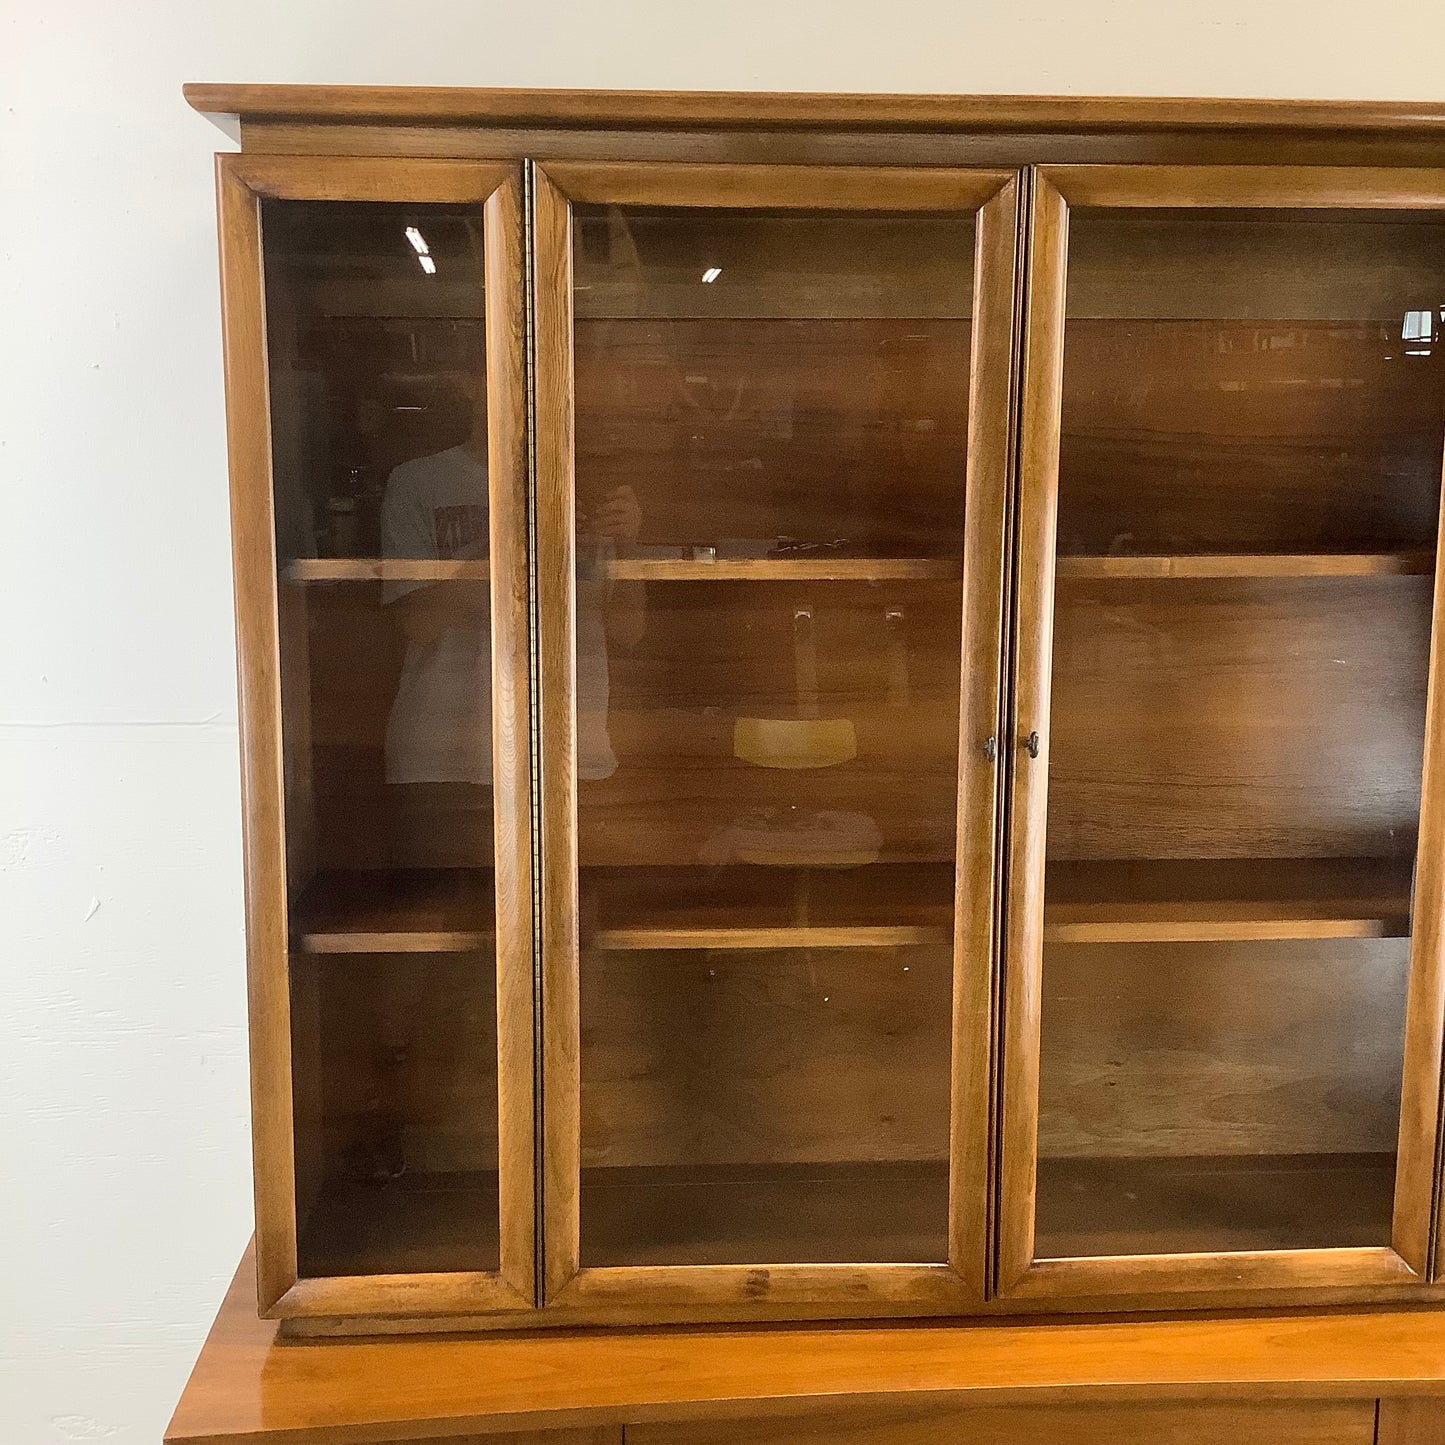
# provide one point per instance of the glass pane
(378, 399)
(1253, 414)
(771, 423)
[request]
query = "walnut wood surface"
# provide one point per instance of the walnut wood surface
(259, 695)
(1411, 1422)
(250, 1388)
(741, 110)
(1174, 1422)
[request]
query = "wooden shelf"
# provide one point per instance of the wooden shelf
(785, 569)
(894, 1212)
(1103, 1207)
(1230, 899)
(879, 905)
(414, 910)
(384, 569)
(1251, 564)
(738, 1214)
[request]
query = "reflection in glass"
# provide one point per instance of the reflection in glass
(771, 423)
(1249, 484)
(376, 349)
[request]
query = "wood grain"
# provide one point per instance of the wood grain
(1281, 564)
(766, 1215)
(441, 910)
(1226, 899)
(990, 480)
(432, 105)
(1411, 1422)
(1040, 384)
(754, 906)
(262, 765)
(384, 569)
(249, 1388)
(840, 188)
(557, 729)
(1261, 718)
(1174, 1422)
(369, 178)
(1095, 1207)
(1419, 1232)
(749, 1058)
(780, 569)
(509, 485)
(1268, 1047)
(1250, 187)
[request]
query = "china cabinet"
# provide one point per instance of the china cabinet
(840, 704)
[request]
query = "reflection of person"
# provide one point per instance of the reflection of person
(607, 611)
(439, 734)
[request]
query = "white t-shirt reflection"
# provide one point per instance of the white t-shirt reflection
(440, 727)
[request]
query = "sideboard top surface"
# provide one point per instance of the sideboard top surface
(250, 1385)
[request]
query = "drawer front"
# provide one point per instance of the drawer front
(599, 1435)
(1412, 1422)
(1174, 1422)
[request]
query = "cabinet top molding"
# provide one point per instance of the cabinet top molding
(744, 110)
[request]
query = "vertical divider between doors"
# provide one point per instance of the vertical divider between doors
(1003, 802)
(555, 603)
(983, 601)
(539, 1116)
(1041, 375)
(511, 733)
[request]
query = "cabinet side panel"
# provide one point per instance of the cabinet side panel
(253, 546)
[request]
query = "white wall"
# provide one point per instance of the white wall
(124, 1172)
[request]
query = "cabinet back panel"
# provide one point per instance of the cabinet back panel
(715, 653)
(1222, 1048)
(1219, 1096)
(1238, 718)
(712, 1057)
(1230, 436)
(765, 1106)
(729, 430)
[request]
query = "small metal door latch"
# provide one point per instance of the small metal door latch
(990, 747)
(1031, 745)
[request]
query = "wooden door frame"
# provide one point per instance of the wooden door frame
(243, 182)
(741, 1290)
(1407, 1261)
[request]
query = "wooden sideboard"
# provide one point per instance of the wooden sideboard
(1306, 1378)
(842, 721)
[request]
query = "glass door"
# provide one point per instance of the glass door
(373, 322)
(1222, 1017)
(771, 449)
